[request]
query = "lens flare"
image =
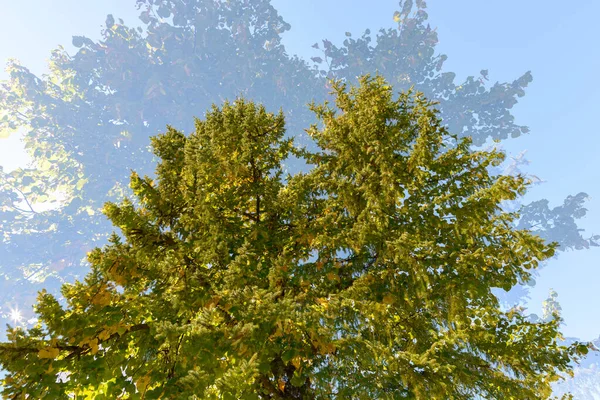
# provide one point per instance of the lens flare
(15, 315)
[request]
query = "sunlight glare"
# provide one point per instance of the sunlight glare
(15, 315)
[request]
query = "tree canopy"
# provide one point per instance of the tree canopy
(369, 276)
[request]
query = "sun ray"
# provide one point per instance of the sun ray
(15, 315)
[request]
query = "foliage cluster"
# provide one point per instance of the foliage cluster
(368, 277)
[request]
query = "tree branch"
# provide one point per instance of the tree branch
(25, 198)
(75, 350)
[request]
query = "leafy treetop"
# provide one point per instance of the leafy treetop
(367, 277)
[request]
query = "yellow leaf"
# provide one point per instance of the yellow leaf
(296, 361)
(94, 345)
(281, 385)
(142, 383)
(253, 358)
(388, 299)
(212, 302)
(278, 330)
(330, 348)
(104, 335)
(102, 298)
(48, 352)
(323, 347)
(322, 301)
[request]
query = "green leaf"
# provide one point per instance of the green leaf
(287, 355)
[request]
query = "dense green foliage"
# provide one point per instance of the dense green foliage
(368, 277)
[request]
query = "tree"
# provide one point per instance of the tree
(585, 384)
(87, 122)
(368, 277)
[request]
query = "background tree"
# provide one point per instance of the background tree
(213, 293)
(584, 384)
(87, 123)
(585, 378)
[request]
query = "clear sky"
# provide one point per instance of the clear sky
(557, 43)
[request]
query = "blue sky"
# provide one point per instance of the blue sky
(509, 37)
